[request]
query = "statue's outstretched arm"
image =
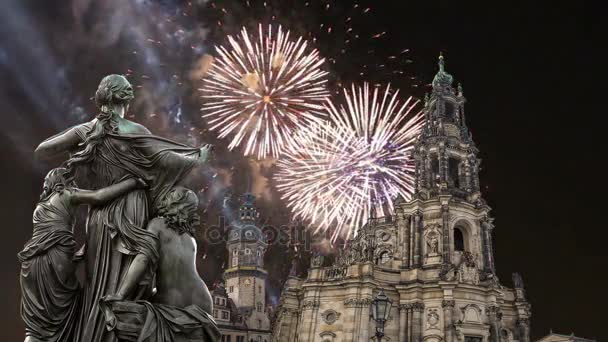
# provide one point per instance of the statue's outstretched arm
(103, 195)
(62, 142)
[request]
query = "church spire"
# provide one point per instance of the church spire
(446, 157)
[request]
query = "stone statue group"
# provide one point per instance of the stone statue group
(140, 281)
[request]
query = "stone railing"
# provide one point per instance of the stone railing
(335, 272)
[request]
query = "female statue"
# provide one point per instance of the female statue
(110, 148)
(50, 290)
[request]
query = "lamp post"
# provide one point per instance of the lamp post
(381, 308)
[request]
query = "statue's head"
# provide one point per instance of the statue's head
(54, 181)
(179, 209)
(114, 91)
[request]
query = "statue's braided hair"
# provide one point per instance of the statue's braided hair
(113, 91)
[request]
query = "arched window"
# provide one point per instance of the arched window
(458, 239)
(384, 258)
(454, 172)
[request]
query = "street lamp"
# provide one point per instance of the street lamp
(381, 308)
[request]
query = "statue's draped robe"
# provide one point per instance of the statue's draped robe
(116, 231)
(50, 290)
(142, 321)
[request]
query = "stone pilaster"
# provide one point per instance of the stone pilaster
(445, 213)
(523, 325)
(411, 241)
(443, 166)
(468, 175)
(488, 253)
(448, 307)
(429, 175)
(417, 233)
(475, 174)
(405, 251)
(359, 309)
(403, 313)
(495, 317)
(417, 328)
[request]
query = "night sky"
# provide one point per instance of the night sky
(528, 69)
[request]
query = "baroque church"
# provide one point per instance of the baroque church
(239, 302)
(433, 258)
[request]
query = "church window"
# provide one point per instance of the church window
(458, 239)
(235, 251)
(384, 257)
(259, 288)
(453, 170)
(231, 289)
(435, 168)
(259, 307)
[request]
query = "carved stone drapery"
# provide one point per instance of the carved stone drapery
(357, 302)
(310, 304)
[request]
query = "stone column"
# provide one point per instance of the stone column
(467, 173)
(487, 228)
(445, 213)
(417, 309)
(448, 307)
(429, 174)
(405, 251)
(475, 176)
(411, 240)
(443, 166)
(417, 231)
(524, 329)
(403, 308)
(495, 316)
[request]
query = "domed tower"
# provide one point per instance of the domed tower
(246, 277)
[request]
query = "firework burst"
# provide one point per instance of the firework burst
(261, 88)
(355, 165)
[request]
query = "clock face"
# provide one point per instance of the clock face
(249, 234)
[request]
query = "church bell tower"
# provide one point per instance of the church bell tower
(245, 276)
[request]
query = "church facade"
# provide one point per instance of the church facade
(433, 257)
(240, 300)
